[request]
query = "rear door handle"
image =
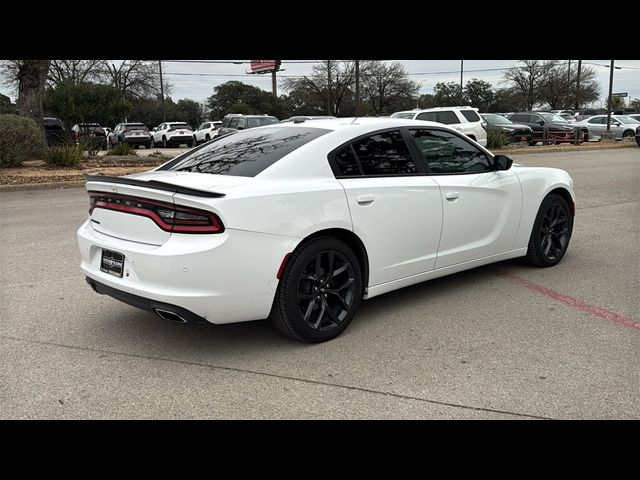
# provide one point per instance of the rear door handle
(365, 199)
(451, 195)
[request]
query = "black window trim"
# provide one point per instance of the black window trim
(419, 159)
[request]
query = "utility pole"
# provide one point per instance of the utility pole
(161, 91)
(577, 104)
(329, 87)
(610, 98)
(274, 85)
(569, 85)
(461, 71)
(357, 88)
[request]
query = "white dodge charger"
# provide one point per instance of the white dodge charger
(300, 222)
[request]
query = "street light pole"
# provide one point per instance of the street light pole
(329, 87)
(610, 97)
(461, 72)
(569, 84)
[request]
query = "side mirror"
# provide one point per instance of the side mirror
(502, 162)
(240, 128)
(615, 124)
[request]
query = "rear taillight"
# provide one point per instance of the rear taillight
(169, 217)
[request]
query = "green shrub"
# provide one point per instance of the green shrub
(20, 139)
(496, 139)
(64, 156)
(122, 149)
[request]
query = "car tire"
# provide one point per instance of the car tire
(628, 134)
(551, 232)
(207, 137)
(531, 144)
(165, 144)
(189, 144)
(147, 146)
(316, 300)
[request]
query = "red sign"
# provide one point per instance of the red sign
(264, 65)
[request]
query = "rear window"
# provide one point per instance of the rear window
(259, 122)
(470, 115)
(246, 153)
(179, 125)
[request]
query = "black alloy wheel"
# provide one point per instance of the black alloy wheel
(319, 292)
(628, 134)
(551, 232)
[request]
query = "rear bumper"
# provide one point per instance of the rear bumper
(144, 303)
(223, 278)
(137, 140)
(180, 139)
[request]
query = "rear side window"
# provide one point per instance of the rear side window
(347, 163)
(246, 153)
(384, 154)
(259, 122)
(470, 115)
(447, 117)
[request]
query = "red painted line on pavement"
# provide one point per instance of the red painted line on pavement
(571, 301)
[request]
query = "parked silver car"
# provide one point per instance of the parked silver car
(622, 126)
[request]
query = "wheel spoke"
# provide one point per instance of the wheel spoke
(332, 257)
(546, 241)
(348, 283)
(318, 270)
(339, 270)
(331, 313)
(307, 314)
(320, 315)
(342, 301)
(311, 278)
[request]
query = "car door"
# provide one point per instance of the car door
(597, 125)
(481, 206)
(395, 207)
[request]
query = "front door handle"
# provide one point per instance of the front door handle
(451, 195)
(365, 199)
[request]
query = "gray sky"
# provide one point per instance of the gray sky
(197, 80)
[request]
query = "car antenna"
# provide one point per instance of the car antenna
(354, 120)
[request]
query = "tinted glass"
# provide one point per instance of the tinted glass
(347, 163)
(597, 120)
(234, 122)
(258, 122)
(246, 153)
(179, 125)
(447, 117)
(428, 116)
(384, 154)
(448, 153)
(497, 119)
(470, 115)
(625, 119)
(403, 115)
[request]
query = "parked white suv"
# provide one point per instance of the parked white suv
(206, 132)
(171, 134)
(464, 119)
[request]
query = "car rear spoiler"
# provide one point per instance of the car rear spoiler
(155, 184)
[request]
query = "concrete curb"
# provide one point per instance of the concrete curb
(42, 186)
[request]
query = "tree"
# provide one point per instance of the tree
(448, 94)
(479, 94)
(339, 90)
(504, 100)
(74, 71)
(387, 88)
(528, 80)
(426, 101)
(635, 103)
(192, 112)
(238, 97)
(29, 76)
(6, 106)
(559, 89)
(86, 103)
(134, 78)
(617, 103)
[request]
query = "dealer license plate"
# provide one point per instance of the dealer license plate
(112, 263)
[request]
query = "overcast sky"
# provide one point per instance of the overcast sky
(197, 80)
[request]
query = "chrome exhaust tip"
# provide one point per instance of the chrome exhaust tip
(167, 315)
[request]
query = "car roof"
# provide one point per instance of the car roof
(359, 123)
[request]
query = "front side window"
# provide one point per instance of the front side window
(597, 120)
(447, 153)
(384, 153)
(246, 153)
(234, 122)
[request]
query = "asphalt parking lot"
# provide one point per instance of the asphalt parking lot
(499, 342)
